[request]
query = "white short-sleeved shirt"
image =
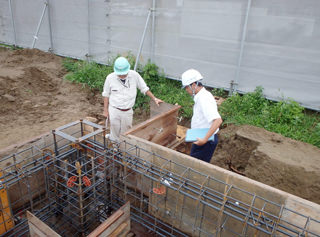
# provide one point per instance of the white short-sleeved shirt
(205, 110)
(123, 96)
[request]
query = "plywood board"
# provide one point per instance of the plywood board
(38, 228)
(19, 192)
(160, 109)
(6, 218)
(118, 224)
(161, 128)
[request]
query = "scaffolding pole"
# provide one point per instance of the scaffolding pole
(234, 83)
(13, 24)
(35, 37)
(142, 39)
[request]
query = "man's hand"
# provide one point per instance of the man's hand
(105, 113)
(157, 101)
(200, 142)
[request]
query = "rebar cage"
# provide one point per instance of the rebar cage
(75, 178)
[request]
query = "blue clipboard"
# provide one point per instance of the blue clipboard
(193, 134)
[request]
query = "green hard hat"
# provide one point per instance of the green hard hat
(121, 66)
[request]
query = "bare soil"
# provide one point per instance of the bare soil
(270, 158)
(35, 99)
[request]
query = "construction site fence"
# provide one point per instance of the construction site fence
(236, 45)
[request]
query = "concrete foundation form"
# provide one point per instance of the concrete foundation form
(74, 178)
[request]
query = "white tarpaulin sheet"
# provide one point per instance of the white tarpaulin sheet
(280, 39)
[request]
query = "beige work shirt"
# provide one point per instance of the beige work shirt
(123, 96)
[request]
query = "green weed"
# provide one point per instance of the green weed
(219, 92)
(286, 117)
(7, 46)
(87, 73)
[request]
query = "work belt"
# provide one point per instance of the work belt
(123, 109)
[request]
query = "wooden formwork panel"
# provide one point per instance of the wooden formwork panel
(188, 214)
(26, 189)
(161, 128)
(38, 228)
(118, 224)
(6, 217)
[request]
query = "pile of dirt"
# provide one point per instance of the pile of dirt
(270, 158)
(36, 99)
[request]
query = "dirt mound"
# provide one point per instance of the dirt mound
(33, 88)
(272, 159)
(35, 98)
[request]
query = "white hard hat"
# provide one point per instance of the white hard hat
(190, 76)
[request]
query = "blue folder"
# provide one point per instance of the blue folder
(193, 134)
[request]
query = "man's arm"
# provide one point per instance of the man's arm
(106, 107)
(142, 86)
(214, 126)
(155, 99)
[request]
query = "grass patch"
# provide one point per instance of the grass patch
(286, 117)
(89, 74)
(168, 90)
(8, 46)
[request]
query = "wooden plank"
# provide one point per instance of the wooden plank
(114, 222)
(119, 230)
(151, 120)
(181, 134)
(174, 144)
(6, 217)
(162, 108)
(18, 192)
(160, 129)
(107, 223)
(39, 228)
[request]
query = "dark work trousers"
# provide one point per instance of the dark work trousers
(206, 151)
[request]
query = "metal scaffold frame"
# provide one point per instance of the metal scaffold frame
(76, 181)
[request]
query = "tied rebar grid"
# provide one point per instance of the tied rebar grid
(78, 185)
(78, 189)
(24, 179)
(122, 172)
(188, 202)
(60, 182)
(88, 158)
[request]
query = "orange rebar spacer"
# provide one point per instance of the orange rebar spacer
(86, 181)
(48, 156)
(71, 181)
(160, 191)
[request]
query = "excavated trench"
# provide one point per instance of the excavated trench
(270, 163)
(274, 160)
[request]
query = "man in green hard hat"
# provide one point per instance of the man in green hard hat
(119, 92)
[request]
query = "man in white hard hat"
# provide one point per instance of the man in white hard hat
(205, 115)
(119, 92)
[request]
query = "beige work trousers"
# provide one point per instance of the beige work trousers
(120, 122)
